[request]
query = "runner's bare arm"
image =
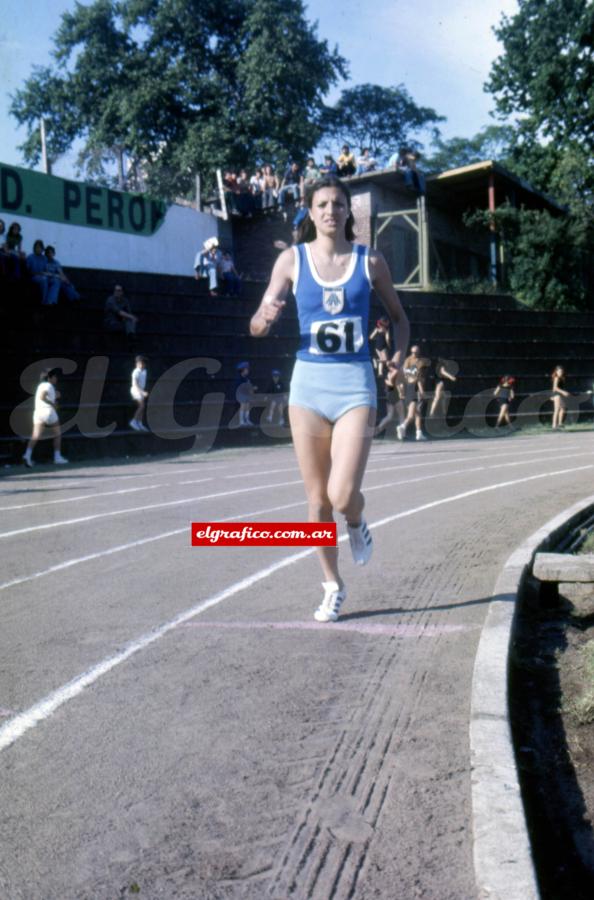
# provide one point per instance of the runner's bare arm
(274, 299)
(381, 280)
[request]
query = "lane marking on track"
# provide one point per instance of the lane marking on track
(166, 534)
(96, 496)
(67, 564)
(370, 471)
(403, 630)
(134, 509)
(20, 724)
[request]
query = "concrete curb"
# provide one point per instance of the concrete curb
(503, 863)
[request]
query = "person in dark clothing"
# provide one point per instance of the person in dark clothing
(118, 316)
(504, 394)
(277, 398)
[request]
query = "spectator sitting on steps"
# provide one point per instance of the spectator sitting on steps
(54, 267)
(118, 316)
(366, 162)
(207, 264)
(46, 281)
(346, 162)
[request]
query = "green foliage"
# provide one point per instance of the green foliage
(380, 118)
(542, 253)
(546, 71)
(180, 87)
(492, 142)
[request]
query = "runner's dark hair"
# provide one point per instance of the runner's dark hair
(307, 229)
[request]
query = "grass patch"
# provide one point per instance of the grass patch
(588, 545)
(581, 705)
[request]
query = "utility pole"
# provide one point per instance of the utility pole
(45, 162)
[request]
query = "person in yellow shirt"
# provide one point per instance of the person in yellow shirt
(346, 162)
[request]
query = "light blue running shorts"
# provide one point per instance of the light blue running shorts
(332, 389)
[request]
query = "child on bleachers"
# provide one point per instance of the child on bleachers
(139, 393)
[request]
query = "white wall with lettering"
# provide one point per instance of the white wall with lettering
(170, 251)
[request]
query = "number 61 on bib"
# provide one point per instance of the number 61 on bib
(336, 336)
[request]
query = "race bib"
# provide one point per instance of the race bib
(336, 336)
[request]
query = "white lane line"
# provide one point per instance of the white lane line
(43, 709)
(97, 496)
(166, 534)
(370, 470)
(67, 564)
(134, 509)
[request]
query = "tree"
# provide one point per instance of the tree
(545, 76)
(546, 71)
(492, 142)
(181, 86)
(544, 254)
(380, 118)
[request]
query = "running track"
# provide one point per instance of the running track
(173, 718)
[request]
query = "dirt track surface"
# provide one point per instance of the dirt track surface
(243, 750)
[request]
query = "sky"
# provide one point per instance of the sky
(441, 52)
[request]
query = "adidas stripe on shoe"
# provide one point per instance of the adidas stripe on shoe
(329, 608)
(361, 543)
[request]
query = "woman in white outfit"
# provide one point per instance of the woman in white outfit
(45, 415)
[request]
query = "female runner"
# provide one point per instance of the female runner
(332, 398)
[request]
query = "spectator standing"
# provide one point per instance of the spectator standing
(277, 398)
(443, 373)
(559, 397)
(231, 281)
(504, 394)
(56, 272)
(118, 316)
(366, 162)
(244, 197)
(414, 394)
(47, 282)
(290, 185)
(257, 188)
(271, 188)
(394, 406)
(45, 415)
(382, 345)
(244, 393)
(346, 162)
(311, 173)
(139, 393)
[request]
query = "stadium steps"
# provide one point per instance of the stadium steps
(484, 336)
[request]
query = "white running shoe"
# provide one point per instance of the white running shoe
(59, 460)
(28, 461)
(420, 436)
(329, 608)
(400, 432)
(134, 424)
(361, 543)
